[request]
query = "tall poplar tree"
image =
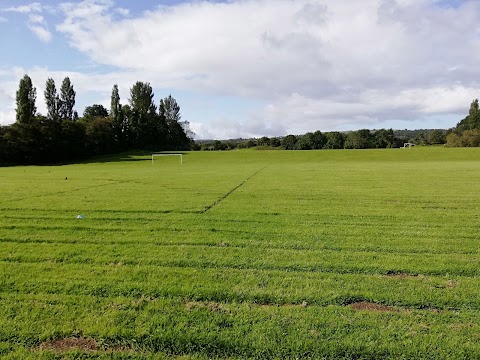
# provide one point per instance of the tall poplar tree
(25, 99)
(52, 100)
(67, 100)
(119, 120)
(115, 106)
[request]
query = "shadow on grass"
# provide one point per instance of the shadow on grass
(126, 156)
(130, 156)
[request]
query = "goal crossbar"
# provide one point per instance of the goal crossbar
(181, 156)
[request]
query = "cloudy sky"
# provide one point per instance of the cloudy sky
(248, 68)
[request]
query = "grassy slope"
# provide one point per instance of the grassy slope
(215, 257)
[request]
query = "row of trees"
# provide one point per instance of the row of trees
(465, 134)
(61, 135)
(361, 139)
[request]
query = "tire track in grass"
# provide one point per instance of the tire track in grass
(211, 265)
(213, 244)
(224, 196)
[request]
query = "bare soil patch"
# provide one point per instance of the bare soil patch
(71, 344)
(212, 306)
(81, 344)
(451, 284)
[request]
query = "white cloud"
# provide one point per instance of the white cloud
(298, 113)
(3, 20)
(7, 98)
(228, 128)
(25, 9)
(38, 25)
(308, 64)
(203, 132)
(122, 11)
(41, 32)
(271, 47)
(36, 22)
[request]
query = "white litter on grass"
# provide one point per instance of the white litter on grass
(79, 216)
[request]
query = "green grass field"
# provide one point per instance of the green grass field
(347, 254)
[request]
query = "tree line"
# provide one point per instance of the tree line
(61, 135)
(465, 134)
(360, 139)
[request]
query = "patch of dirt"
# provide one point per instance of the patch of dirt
(82, 344)
(450, 284)
(71, 344)
(116, 264)
(212, 306)
(365, 305)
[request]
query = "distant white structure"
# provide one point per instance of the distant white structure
(405, 145)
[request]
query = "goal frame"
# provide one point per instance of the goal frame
(181, 157)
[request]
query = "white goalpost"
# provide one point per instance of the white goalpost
(181, 156)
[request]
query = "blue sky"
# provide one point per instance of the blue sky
(243, 68)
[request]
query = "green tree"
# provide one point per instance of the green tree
(263, 141)
(334, 140)
(115, 106)
(169, 109)
(95, 110)
(141, 99)
(219, 145)
(143, 120)
(304, 142)
(436, 137)
(67, 100)
(361, 139)
(421, 138)
(384, 139)
(275, 142)
(170, 117)
(471, 138)
(120, 127)
(25, 99)
(472, 120)
(289, 142)
(454, 140)
(317, 140)
(52, 100)
(246, 144)
(100, 135)
(72, 140)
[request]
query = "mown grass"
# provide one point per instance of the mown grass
(245, 254)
